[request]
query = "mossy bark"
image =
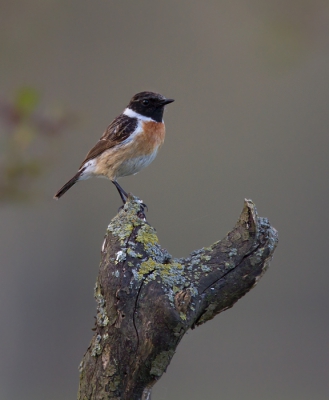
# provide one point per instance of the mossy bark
(147, 300)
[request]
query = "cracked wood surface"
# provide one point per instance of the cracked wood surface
(147, 300)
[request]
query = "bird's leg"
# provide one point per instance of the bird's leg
(122, 193)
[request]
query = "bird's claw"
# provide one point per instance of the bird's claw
(144, 206)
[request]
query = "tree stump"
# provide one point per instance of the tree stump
(147, 300)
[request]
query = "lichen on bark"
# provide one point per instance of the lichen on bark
(147, 299)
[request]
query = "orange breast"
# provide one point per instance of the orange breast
(134, 155)
(151, 138)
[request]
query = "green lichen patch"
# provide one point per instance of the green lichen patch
(233, 252)
(245, 235)
(170, 274)
(158, 254)
(147, 267)
(229, 265)
(173, 269)
(256, 257)
(183, 316)
(97, 348)
(161, 362)
(124, 222)
(147, 235)
(114, 384)
(101, 317)
(133, 254)
(205, 268)
(175, 289)
(210, 248)
(121, 229)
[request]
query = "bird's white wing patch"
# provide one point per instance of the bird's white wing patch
(88, 170)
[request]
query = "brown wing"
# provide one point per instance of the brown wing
(118, 131)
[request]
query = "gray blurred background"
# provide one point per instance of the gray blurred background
(250, 79)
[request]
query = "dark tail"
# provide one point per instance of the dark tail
(67, 185)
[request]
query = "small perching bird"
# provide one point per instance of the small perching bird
(129, 144)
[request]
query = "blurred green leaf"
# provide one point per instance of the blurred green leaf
(28, 146)
(26, 101)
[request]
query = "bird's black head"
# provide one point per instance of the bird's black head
(149, 104)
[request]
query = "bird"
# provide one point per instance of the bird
(129, 144)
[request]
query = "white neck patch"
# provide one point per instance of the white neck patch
(133, 114)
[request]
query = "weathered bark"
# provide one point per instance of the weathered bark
(147, 300)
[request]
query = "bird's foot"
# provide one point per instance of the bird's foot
(144, 206)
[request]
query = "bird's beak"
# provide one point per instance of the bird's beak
(166, 101)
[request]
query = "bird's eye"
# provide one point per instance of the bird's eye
(145, 102)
